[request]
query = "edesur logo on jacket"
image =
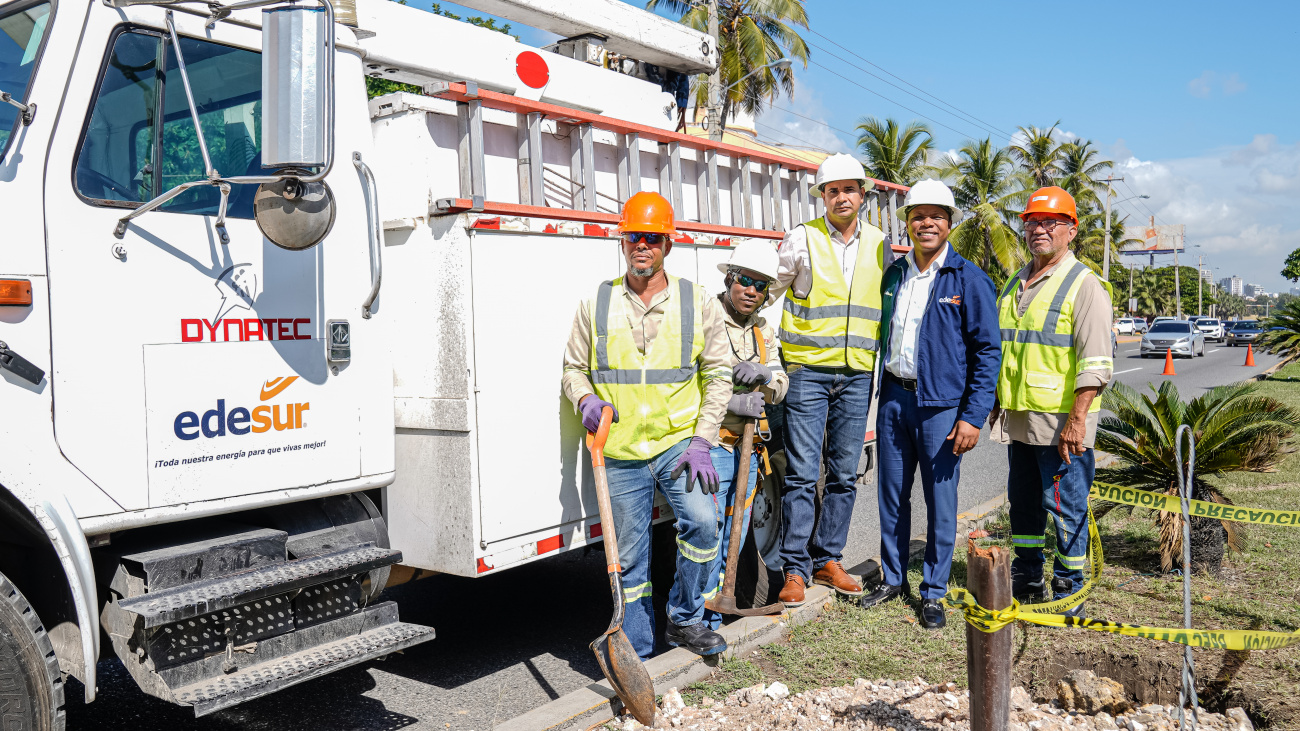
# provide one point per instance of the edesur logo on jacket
(240, 420)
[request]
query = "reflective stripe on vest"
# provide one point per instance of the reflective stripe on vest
(657, 395)
(1039, 363)
(838, 323)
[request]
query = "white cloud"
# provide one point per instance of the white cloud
(806, 126)
(1238, 203)
(1205, 84)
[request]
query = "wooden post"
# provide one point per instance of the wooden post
(988, 656)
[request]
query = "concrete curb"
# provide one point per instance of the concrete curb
(1274, 368)
(678, 668)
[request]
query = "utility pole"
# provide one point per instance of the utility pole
(1178, 292)
(1130, 290)
(1105, 257)
(714, 113)
(1200, 306)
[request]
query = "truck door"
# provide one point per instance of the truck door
(185, 368)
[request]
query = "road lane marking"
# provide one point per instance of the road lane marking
(1120, 373)
(1216, 350)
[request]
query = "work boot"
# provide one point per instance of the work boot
(792, 593)
(1062, 588)
(832, 574)
(932, 614)
(697, 638)
(881, 594)
(1027, 590)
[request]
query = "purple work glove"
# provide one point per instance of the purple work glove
(748, 404)
(696, 458)
(590, 408)
(748, 374)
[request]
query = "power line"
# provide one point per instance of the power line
(984, 127)
(810, 119)
(891, 101)
(773, 130)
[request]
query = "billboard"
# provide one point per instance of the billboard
(1155, 239)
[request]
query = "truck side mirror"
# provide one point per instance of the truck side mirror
(296, 77)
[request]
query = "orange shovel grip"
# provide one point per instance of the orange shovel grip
(596, 442)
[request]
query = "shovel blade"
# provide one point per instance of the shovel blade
(727, 605)
(626, 675)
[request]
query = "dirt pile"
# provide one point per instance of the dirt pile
(889, 705)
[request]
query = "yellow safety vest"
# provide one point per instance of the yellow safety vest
(1039, 364)
(657, 395)
(836, 325)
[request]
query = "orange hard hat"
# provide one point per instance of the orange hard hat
(647, 212)
(1051, 200)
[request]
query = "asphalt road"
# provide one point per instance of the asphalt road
(510, 642)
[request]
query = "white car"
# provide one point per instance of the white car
(1212, 327)
(1131, 325)
(1173, 336)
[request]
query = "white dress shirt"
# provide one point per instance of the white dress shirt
(794, 269)
(909, 309)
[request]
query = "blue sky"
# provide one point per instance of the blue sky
(1197, 103)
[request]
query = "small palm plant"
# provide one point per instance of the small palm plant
(1234, 429)
(1287, 340)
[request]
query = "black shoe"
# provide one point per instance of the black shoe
(880, 595)
(1062, 588)
(932, 615)
(1028, 590)
(697, 638)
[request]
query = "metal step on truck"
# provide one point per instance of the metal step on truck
(256, 331)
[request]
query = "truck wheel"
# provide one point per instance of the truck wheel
(31, 687)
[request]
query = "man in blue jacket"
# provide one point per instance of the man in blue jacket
(943, 351)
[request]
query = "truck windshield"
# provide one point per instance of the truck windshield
(127, 157)
(20, 44)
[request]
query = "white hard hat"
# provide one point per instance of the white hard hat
(931, 192)
(840, 167)
(756, 255)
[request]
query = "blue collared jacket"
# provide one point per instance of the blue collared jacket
(959, 347)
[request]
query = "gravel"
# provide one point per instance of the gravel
(890, 705)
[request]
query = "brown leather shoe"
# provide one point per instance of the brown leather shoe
(792, 592)
(832, 575)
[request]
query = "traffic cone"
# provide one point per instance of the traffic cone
(1250, 355)
(1169, 363)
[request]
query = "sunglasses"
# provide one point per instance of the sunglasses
(759, 285)
(637, 237)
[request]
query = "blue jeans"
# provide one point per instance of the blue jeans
(727, 463)
(825, 417)
(908, 435)
(1041, 484)
(632, 485)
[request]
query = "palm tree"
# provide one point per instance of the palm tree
(1235, 430)
(1287, 340)
(751, 34)
(1079, 169)
(1039, 155)
(894, 155)
(985, 184)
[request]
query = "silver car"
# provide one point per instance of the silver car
(1180, 337)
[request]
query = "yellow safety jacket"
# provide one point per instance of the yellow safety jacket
(836, 325)
(657, 395)
(1039, 364)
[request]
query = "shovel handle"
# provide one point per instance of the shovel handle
(739, 501)
(596, 445)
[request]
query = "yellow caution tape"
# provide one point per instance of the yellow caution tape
(992, 620)
(1200, 508)
(1078, 597)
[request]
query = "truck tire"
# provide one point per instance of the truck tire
(31, 686)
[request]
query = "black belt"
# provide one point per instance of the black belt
(907, 384)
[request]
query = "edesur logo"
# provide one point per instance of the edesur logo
(239, 421)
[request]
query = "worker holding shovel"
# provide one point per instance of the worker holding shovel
(653, 348)
(758, 379)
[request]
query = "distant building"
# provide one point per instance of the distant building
(1232, 285)
(1295, 291)
(1253, 290)
(1208, 275)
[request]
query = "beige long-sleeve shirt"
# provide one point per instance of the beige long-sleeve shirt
(644, 320)
(741, 335)
(1092, 315)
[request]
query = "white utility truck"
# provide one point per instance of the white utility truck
(223, 427)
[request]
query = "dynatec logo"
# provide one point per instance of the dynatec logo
(240, 420)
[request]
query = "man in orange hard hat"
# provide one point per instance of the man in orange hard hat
(1055, 317)
(653, 348)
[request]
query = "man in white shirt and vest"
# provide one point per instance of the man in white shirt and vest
(830, 272)
(1055, 318)
(653, 347)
